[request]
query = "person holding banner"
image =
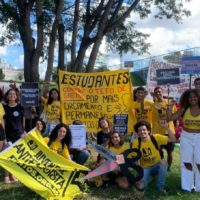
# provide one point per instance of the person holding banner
(40, 125)
(190, 139)
(116, 145)
(60, 140)
(14, 123)
(149, 146)
(52, 111)
(159, 113)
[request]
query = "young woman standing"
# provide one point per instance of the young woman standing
(190, 139)
(14, 123)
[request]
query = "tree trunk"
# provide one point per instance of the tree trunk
(32, 51)
(93, 55)
(59, 8)
(77, 67)
(61, 47)
(74, 32)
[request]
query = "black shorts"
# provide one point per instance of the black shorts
(2, 134)
(169, 146)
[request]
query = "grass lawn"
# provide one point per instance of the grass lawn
(18, 191)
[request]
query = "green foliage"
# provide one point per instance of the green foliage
(136, 80)
(125, 38)
(2, 75)
(19, 76)
(101, 69)
(121, 35)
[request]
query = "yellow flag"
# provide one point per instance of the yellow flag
(42, 170)
(90, 96)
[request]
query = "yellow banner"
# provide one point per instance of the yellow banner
(89, 96)
(42, 170)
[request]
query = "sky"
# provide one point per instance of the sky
(166, 36)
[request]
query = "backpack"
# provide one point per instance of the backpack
(153, 140)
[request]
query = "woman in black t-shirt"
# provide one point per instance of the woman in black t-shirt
(103, 135)
(14, 117)
(14, 123)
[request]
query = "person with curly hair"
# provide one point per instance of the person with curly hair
(60, 140)
(190, 139)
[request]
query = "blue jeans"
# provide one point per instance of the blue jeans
(160, 170)
(82, 157)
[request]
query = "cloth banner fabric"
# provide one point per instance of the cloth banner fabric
(90, 96)
(42, 170)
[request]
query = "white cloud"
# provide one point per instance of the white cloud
(167, 35)
(19, 61)
(3, 51)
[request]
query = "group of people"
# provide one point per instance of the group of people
(155, 130)
(161, 115)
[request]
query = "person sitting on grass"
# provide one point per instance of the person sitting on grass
(150, 160)
(117, 146)
(80, 155)
(60, 140)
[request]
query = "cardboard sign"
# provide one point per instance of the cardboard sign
(167, 76)
(78, 136)
(190, 65)
(30, 94)
(120, 123)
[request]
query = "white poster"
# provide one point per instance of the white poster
(174, 90)
(78, 136)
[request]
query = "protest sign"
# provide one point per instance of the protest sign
(190, 65)
(29, 94)
(167, 76)
(175, 90)
(78, 136)
(89, 96)
(120, 123)
(42, 170)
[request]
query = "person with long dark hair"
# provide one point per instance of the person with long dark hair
(60, 140)
(189, 139)
(52, 111)
(117, 146)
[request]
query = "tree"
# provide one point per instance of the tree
(93, 21)
(2, 75)
(19, 76)
(52, 41)
(19, 17)
(88, 21)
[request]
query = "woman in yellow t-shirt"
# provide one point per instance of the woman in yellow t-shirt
(52, 110)
(190, 139)
(116, 145)
(60, 140)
